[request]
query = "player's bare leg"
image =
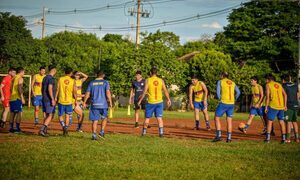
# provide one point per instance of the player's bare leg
(269, 128)
(160, 126)
(36, 114)
(229, 129)
(145, 126)
(80, 117)
(47, 121)
(218, 129)
(197, 119)
(249, 122)
(4, 115)
(296, 131)
(11, 122)
(136, 118)
(103, 126)
(206, 118)
(283, 131)
(94, 130)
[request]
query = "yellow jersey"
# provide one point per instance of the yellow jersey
(37, 86)
(255, 94)
(227, 91)
(276, 96)
(14, 88)
(78, 84)
(155, 85)
(198, 92)
(66, 86)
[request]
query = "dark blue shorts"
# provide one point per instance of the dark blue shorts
(98, 114)
(199, 105)
(224, 108)
(37, 100)
(48, 108)
(272, 113)
(64, 109)
(16, 106)
(256, 111)
(157, 109)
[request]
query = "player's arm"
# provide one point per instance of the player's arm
(20, 90)
(219, 90)
(237, 92)
(108, 95)
(261, 95)
(166, 93)
(50, 91)
(144, 92)
(74, 93)
(205, 93)
(267, 98)
(284, 99)
(32, 85)
(131, 96)
(84, 77)
(191, 97)
(87, 95)
(57, 91)
(1, 91)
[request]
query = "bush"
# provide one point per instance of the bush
(212, 104)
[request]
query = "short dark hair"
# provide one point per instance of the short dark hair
(255, 78)
(42, 67)
(285, 77)
(51, 66)
(100, 73)
(68, 70)
(11, 69)
(138, 72)
(20, 69)
(270, 77)
(195, 76)
(225, 74)
(153, 70)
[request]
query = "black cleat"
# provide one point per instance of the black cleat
(136, 125)
(161, 135)
(282, 142)
(217, 139)
(65, 131)
(228, 140)
(272, 133)
(266, 141)
(11, 130)
(196, 128)
(2, 124)
(43, 133)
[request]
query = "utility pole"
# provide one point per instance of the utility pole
(43, 23)
(298, 65)
(138, 16)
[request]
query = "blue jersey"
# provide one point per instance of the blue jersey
(45, 88)
(138, 87)
(97, 89)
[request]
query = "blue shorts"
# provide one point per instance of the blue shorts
(48, 108)
(37, 100)
(64, 109)
(157, 109)
(224, 108)
(98, 114)
(16, 106)
(256, 111)
(272, 113)
(199, 105)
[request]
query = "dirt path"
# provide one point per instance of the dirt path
(178, 128)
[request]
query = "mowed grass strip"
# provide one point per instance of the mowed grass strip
(134, 157)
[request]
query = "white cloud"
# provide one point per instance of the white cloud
(214, 25)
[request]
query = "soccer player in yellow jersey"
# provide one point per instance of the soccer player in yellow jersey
(78, 108)
(228, 93)
(66, 91)
(276, 104)
(16, 100)
(153, 88)
(36, 87)
(256, 102)
(199, 102)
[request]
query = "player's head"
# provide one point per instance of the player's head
(12, 72)
(194, 79)
(153, 71)
(224, 75)
(52, 69)
(138, 75)
(21, 71)
(254, 80)
(269, 78)
(42, 70)
(100, 74)
(286, 78)
(68, 71)
(76, 75)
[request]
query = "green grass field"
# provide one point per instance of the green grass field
(133, 157)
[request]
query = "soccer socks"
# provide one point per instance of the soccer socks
(218, 134)
(268, 136)
(18, 126)
(79, 126)
(70, 120)
(288, 136)
(62, 123)
(197, 123)
(44, 128)
(101, 133)
(207, 124)
(228, 135)
(296, 136)
(283, 137)
(144, 131)
(161, 131)
(247, 126)
(11, 125)
(94, 136)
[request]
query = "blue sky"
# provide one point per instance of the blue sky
(118, 17)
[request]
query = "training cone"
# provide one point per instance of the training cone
(128, 110)
(110, 113)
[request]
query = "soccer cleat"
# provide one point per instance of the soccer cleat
(11, 130)
(43, 133)
(94, 137)
(266, 141)
(196, 128)
(243, 130)
(161, 135)
(282, 142)
(217, 139)
(136, 125)
(272, 133)
(79, 130)
(2, 124)
(228, 140)
(18, 131)
(65, 131)
(208, 128)
(36, 122)
(288, 141)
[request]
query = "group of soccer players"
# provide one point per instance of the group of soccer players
(276, 100)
